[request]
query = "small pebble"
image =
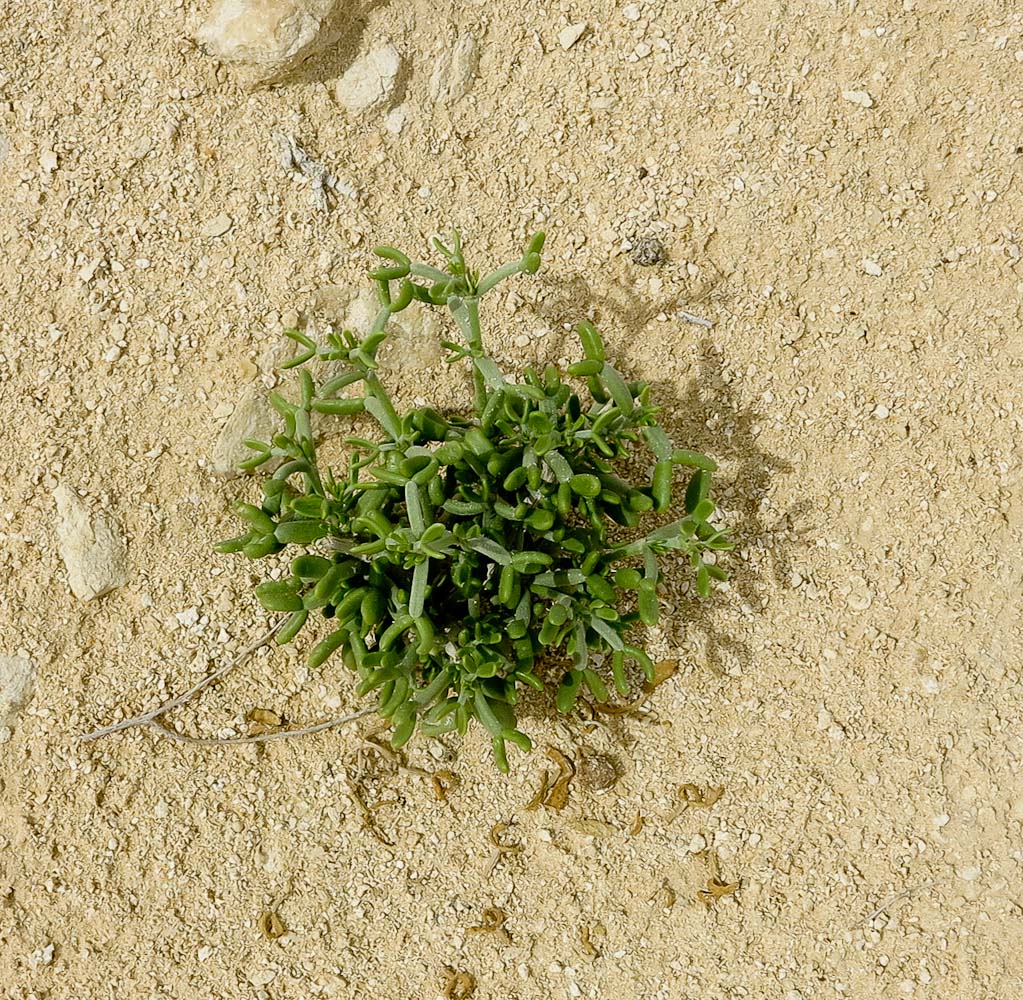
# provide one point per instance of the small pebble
(455, 70)
(17, 682)
(570, 35)
(860, 97)
(216, 226)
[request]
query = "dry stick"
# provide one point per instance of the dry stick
(284, 734)
(147, 717)
(692, 318)
(901, 895)
(148, 720)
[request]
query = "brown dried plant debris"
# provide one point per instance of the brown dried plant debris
(703, 798)
(557, 797)
(271, 926)
(368, 822)
(500, 848)
(441, 781)
(262, 720)
(495, 832)
(663, 670)
(457, 985)
(716, 889)
(693, 796)
(541, 793)
(589, 949)
(492, 923)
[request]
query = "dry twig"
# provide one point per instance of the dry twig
(152, 719)
(900, 895)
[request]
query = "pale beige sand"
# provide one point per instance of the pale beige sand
(856, 689)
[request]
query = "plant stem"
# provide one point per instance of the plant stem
(472, 311)
(466, 312)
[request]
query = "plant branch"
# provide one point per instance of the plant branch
(284, 734)
(147, 717)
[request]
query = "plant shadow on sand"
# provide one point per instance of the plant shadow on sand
(704, 413)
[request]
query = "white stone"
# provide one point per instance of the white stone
(860, 97)
(455, 70)
(871, 267)
(188, 617)
(369, 81)
(414, 336)
(567, 37)
(91, 547)
(216, 226)
(17, 682)
(269, 38)
(395, 120)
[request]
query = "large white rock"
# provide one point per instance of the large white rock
(253, 418)
(17, 682)
(414, 335)
(369, 82)
(269, 38)
(90, 545)
(455, 70)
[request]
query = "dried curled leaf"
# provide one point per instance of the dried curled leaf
(663, 670)
(557, 798)
(443, 782)
(632, 708)
(457, 985)
(368, 822)
(495, 832)
(492, 923)
(586, 944)
(262, 720)
(637, 824)
(271, 926)
(541, 793)
(715, 890)
(693, 795)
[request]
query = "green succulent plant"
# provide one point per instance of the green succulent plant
(463, 555)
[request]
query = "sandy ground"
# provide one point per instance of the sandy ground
(855, 690)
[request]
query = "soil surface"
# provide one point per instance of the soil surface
(837, 188)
